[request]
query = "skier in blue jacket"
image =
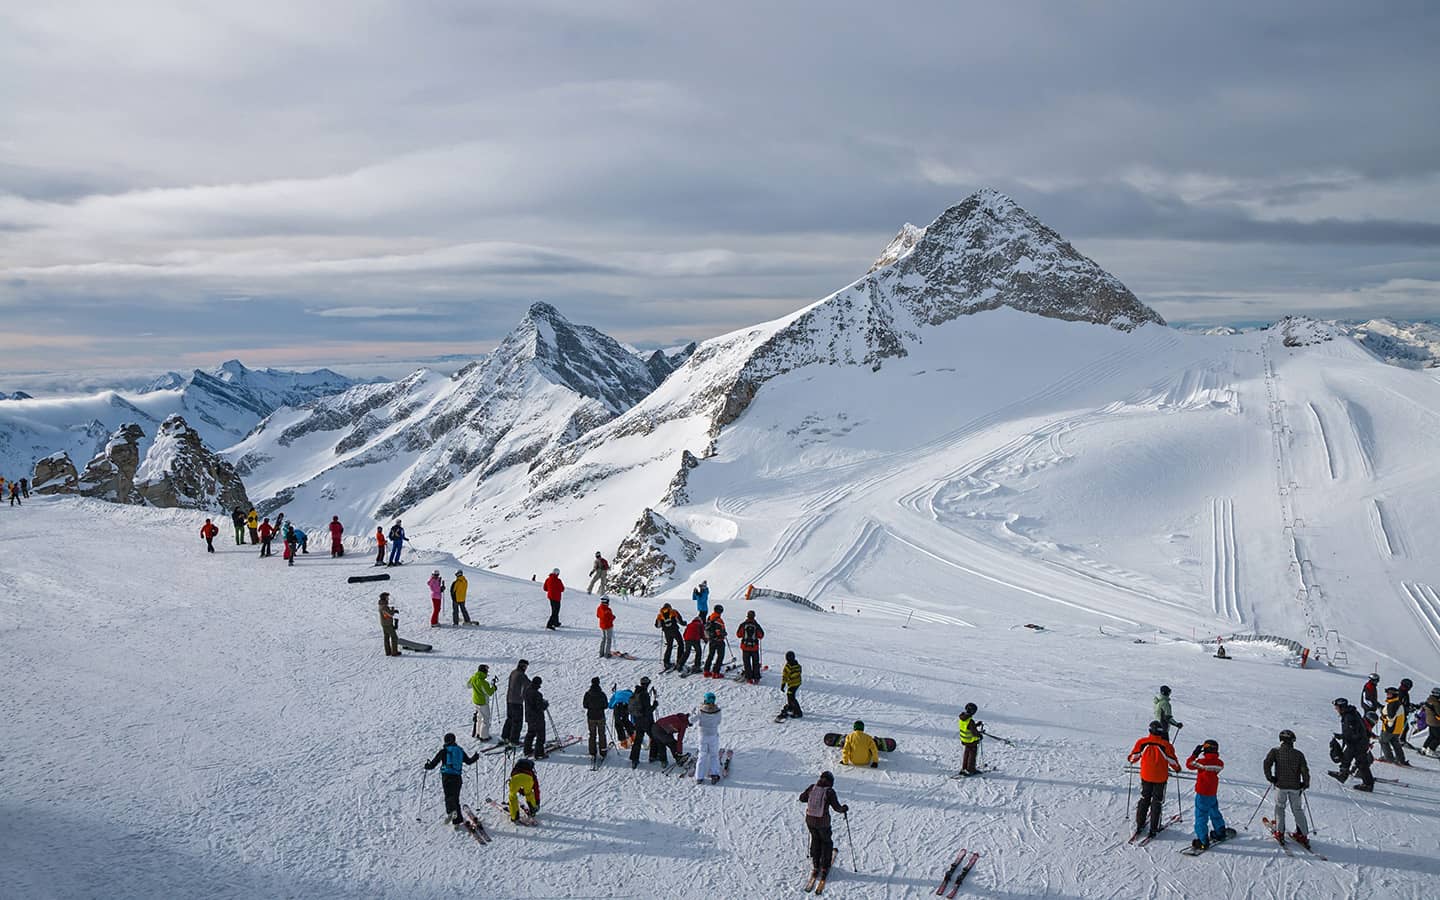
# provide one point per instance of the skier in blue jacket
(397, 542)
(620, 712)
(451, 759)
(701, 596)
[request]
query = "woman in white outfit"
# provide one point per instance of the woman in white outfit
(707, 763)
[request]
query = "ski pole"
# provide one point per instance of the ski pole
(1305, 795)
(854, 861)
(1129, 783)
(420, 798)
(1258, 805)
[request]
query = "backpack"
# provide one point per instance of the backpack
(815, 806)
(604, 564)
(749, 630)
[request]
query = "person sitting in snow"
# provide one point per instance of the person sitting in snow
(860, 748)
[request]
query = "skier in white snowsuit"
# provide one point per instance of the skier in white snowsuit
(707, 760)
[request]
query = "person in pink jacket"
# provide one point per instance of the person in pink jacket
(437, 591)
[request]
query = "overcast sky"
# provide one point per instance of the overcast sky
(326, 181)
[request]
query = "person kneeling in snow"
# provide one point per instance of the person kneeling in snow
(860, 749)
(668, 734)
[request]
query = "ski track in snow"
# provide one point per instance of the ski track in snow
(1324, 442)
(1224, 591)
(1426, 604)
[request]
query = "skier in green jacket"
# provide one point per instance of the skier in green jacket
(482, 688)
(1163, 714)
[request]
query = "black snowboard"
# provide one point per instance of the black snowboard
(356, 579)
(886, 745)
(414, 645)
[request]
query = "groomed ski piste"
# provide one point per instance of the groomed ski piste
(177, 719)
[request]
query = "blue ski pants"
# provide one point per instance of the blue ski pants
(1207, 817)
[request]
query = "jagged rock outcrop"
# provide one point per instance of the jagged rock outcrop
(899, 246)
(111, 474)
(678, 493)
(662, 364)
(180, 471)
(648, 557)
(55, 474)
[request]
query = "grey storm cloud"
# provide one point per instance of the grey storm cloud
(385, 170)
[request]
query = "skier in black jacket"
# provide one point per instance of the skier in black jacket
(595, 703)
(1355, 739)
(1286, 769)
(819, 798)
(642, 715)
(237, 518)
(515, 703)
(535, 707)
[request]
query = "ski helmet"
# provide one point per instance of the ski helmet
(605, 600)
(709, 696)
(449, 738)
(524, 765)
(434, 571)
(1341, 702)
(827, 778)
(554, 571)
(859, 725)
(971, 709)
(597, 554)
(1156, 727)
(644, 679)
(536, 681)
(719, 608)
(483, 668)
(1287, 737)
(1211, 745)
(1406, 684)
(1165, 689)
(1391, 690)
(1374, 676)
(1435, 692)
(790, 657)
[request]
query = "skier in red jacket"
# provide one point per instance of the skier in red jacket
(267, 531)
(554, 588)
(607, 627)
(693, 633)
(208, 532)
(336, 530)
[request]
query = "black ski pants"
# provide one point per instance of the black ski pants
(1433, 740)
(715, 660)
(1357, 760)
(621, 717)
(1152, 798)
(751, 660)
(822, 844)
(451, 785)
(661, 743)
(535, 737)
(686, 650)
(209, 544)
(639, 740)
(597, 735)
(672, 642)
(554, 615)
(514, 715)
(456, 611)
(792, 706)
(265, 547)
(1393, 746)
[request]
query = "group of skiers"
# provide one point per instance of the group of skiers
(1285, 767)
(296, 541)
(16, 490)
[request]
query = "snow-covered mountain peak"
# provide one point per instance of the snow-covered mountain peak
(899, 246)
(988, 251)
(579, 357)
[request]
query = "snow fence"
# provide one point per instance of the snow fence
(752, 591)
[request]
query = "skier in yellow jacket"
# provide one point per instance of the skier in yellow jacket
(860, 749)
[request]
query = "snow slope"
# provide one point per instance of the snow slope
(234, 724)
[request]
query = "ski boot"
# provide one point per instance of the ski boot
(1300, 839)
(1367, 788)
(1198, 845)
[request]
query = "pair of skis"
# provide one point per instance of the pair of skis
(525, 818)
(1270, 826)
(1141, 842)
(1196, 851)
(958, 870)
(471, 823)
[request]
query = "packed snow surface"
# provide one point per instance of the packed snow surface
(178, 719)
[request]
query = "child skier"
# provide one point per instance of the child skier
(707, 765)
(1206, 764)
(451, 759)
(971, 733)
(790, 681)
